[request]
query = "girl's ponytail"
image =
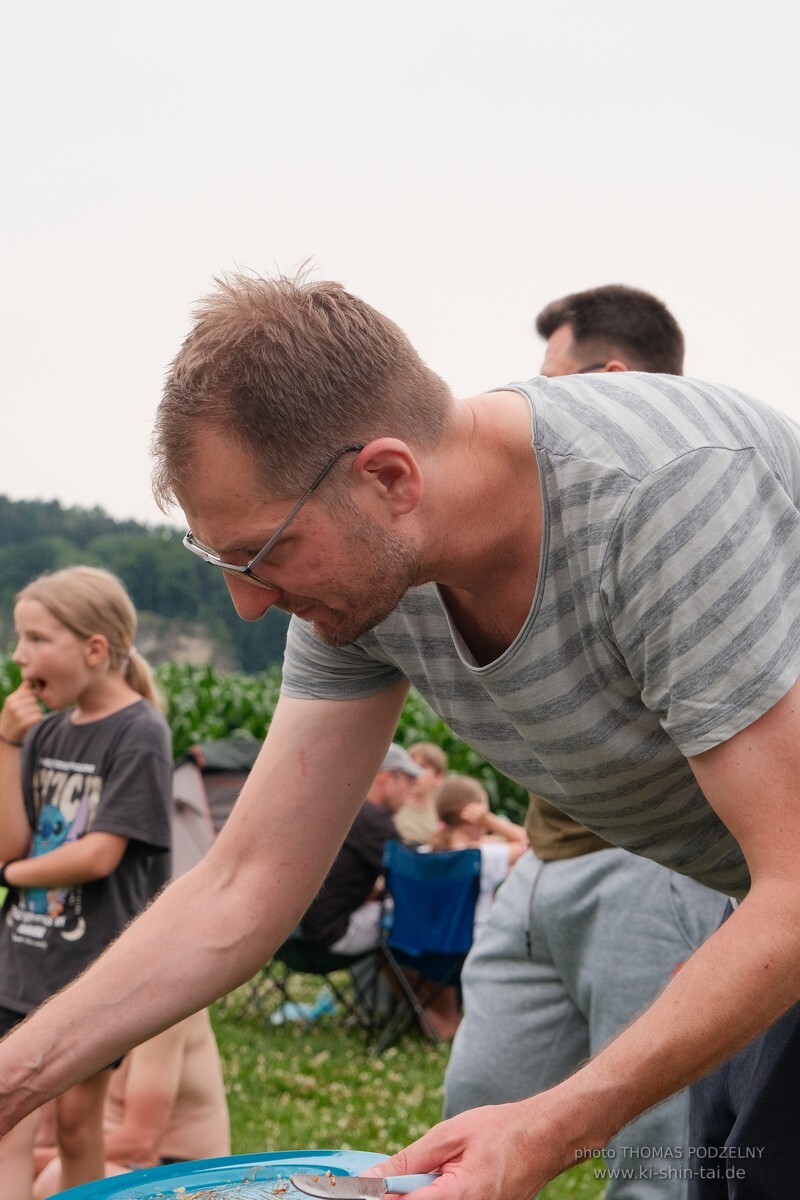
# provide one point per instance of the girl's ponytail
(139, 674)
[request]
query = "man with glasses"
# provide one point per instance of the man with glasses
(595, 581)
(583, 935)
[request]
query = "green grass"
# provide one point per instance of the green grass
(292, 1088)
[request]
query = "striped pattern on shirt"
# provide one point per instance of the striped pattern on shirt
(666, 616)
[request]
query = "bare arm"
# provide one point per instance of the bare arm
(93, 856)
(515, 835)
(731, 989)
(214, 927)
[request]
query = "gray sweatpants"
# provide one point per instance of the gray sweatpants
(572, 952)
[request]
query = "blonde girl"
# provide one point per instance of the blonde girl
(84, 822)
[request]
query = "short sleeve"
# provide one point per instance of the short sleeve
(137, 786)
(495, 864)
(701, 588)
(312, 670)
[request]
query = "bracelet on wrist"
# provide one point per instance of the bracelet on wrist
(3, 881)
(9, 741)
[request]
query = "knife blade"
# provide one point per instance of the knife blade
(354, 1187)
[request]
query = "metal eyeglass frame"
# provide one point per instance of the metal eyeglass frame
(247, 572)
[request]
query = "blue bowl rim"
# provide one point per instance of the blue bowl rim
(211, 1172)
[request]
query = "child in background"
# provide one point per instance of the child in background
(465, 823)
(84, 823)
(417, 820)
(165, 1104)
(462, 806)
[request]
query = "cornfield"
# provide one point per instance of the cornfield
(204, 704)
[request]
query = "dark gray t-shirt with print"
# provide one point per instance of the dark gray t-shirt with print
(108, 776)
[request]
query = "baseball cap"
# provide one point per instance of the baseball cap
(398, 759)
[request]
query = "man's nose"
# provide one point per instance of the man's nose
(251, 602)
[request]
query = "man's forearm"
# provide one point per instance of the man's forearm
(189, 947)
(215, 926)
(733, 987)
(130, 1144)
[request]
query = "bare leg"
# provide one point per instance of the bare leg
(79, 1130)
(16, 1158)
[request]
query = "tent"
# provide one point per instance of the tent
(205, 785)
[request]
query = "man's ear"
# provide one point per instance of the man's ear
(616, 364)
(389, 468)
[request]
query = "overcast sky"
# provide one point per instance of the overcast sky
(458, 164)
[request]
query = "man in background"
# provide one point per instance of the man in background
(611, 328)
(583, 935)
(417, 820)
(344, 916)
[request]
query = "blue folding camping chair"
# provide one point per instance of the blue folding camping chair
(428, 929)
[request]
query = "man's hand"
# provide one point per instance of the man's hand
(743, 978)
(499, 1152)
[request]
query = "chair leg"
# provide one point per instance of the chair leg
(271, 989)
(405, 1015)
(364, 982)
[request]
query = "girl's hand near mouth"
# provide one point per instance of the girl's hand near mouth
(20, 712)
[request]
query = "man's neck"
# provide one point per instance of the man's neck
(486, 505)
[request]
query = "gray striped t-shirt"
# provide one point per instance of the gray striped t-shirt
(666, 616)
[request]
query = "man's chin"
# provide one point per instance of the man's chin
(338, 629)
(338, 634)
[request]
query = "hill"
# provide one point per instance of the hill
(184, 608)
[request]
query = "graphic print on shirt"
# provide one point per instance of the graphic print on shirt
(67, 797)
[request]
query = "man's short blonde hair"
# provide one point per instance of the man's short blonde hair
(292, 370)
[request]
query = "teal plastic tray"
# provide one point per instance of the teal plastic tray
(241, 1177)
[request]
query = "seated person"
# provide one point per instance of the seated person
(344, 916)
(467, 822)
(165, 1103)
(417, 820)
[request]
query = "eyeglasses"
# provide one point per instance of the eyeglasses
(247, 571)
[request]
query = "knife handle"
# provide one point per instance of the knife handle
(407, 1183)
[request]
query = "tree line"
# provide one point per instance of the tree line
(163, 580)
(203, 703)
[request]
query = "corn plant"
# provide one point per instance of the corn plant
(204, 704)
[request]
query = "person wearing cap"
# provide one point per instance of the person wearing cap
(345, 914)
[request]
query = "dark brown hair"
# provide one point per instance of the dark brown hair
(618, 320)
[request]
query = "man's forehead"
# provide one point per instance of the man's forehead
(219, 474)
(223, 495)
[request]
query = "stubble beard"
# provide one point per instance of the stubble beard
(390, 568)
